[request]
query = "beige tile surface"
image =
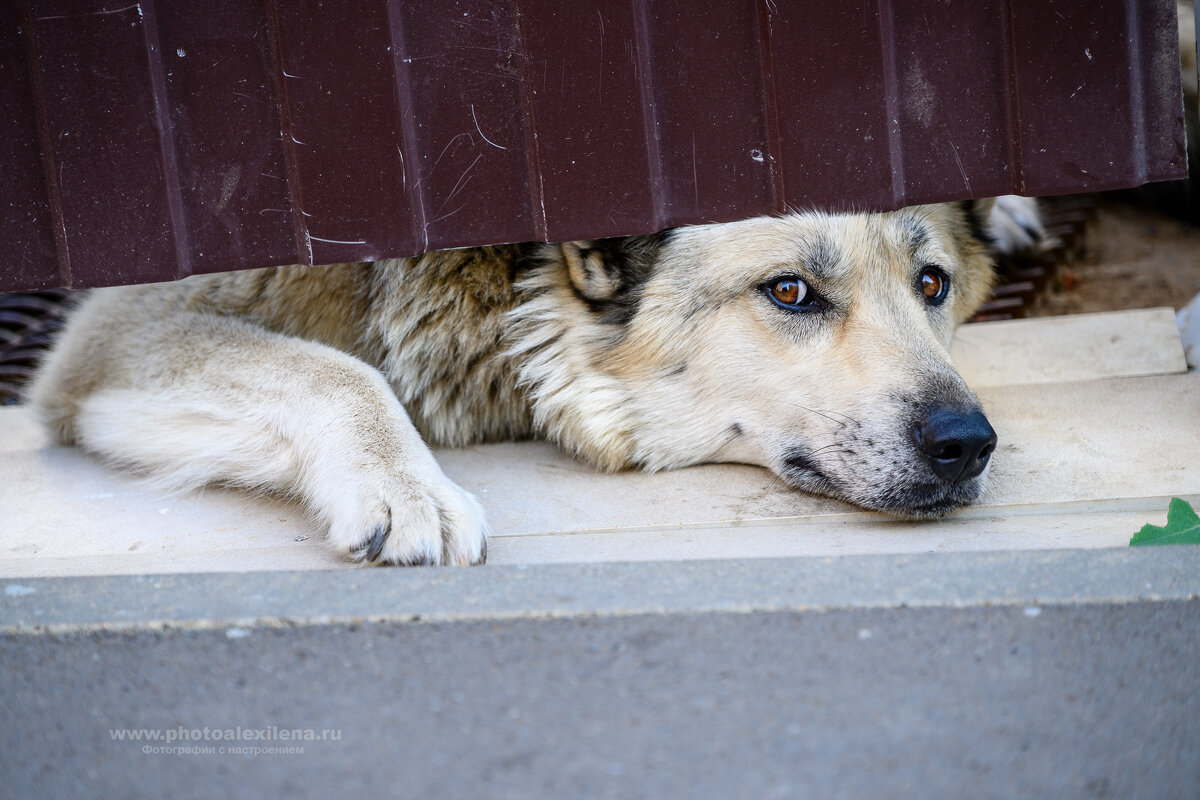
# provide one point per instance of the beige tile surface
(1061, 526)
(1081, 463)
(1094, 440)
(1078, 347)
(62, 512)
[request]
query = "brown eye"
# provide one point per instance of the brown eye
(790, 293)
(935, 285)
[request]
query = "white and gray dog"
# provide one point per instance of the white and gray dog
(815, 345)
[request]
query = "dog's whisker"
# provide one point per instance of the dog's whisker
(729, 435)
(827, 416)
(838, 445)
(779, 483)
(847, 416)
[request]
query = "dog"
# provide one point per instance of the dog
(812, 344)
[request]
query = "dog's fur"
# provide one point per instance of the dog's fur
(652, 352)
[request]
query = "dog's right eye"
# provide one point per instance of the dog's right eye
(790, 293)
(935, 285)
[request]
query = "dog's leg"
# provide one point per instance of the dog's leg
(201, 399)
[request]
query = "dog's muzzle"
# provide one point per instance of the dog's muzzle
(956, 444)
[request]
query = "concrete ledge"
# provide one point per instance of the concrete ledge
(273, 599)
(1084, 699)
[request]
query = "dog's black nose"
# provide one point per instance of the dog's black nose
(956, 443)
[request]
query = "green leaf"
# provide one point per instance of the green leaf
(1183, 527)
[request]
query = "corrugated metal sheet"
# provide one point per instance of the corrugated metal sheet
(147, 141)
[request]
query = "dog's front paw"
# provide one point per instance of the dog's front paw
(408, 521)
(1015, 224)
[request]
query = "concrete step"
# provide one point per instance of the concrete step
(1066, 674)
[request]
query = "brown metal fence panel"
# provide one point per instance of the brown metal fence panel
(225, 132)
(148, 141)
(461, 71)
(112, 167)
(27, 246)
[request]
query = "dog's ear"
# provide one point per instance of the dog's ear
(590, 274)
(978, 214)
(606, 269)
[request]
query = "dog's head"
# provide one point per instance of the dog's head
(813, 344)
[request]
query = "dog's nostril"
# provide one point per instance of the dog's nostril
(951, 452)
(957, 444)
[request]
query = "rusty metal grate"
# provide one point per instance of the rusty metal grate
(1022, 278)
(28, 323)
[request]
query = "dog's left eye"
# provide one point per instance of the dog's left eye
(934, 284)
(790, 293)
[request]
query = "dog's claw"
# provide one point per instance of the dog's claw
(378, 540)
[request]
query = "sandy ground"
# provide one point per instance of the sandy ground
(1135, 258)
